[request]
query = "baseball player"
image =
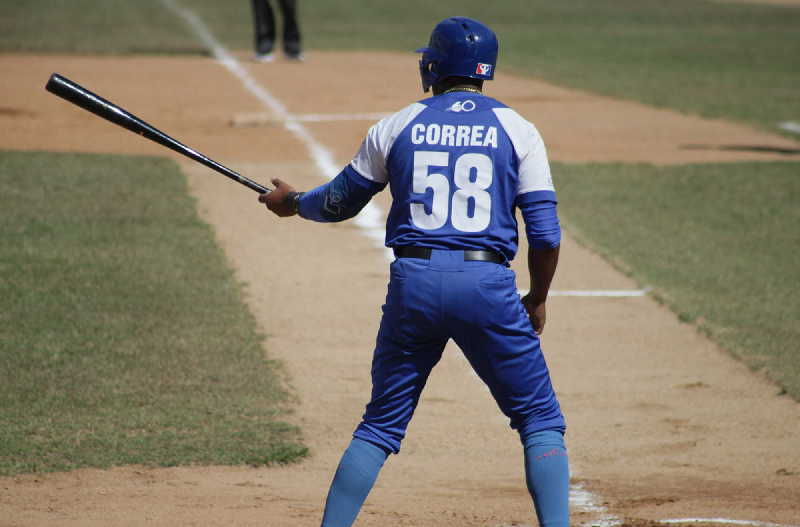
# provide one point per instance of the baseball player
(458, 165)
(264, 21)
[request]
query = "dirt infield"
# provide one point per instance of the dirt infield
(663, 425)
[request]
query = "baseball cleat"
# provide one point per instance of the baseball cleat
(264, 57)
(292, 50)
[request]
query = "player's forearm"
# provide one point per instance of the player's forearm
(543, 231)
(542, 265)
(339, 199)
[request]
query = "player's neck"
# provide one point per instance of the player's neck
(463, 87)
(456, 85)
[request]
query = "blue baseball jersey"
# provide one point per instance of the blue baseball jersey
(457, 164)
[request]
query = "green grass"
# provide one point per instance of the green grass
(122, 334)
(735, 61)
(123, 337)
(91, 26)
(719, 242)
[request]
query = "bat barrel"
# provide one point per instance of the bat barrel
(80, 96)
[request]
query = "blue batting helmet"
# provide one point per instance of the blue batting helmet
(459, 47)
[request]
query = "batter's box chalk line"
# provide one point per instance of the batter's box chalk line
(608, 293)
(724, 521)
(247, 120)
(583, 501)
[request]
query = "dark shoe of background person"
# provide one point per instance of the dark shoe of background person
(292, 50)
(264, 51)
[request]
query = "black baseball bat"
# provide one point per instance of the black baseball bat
(80, 96)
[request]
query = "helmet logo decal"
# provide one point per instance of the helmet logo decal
(483, 69)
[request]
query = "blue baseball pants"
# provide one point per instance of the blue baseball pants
(477, 305)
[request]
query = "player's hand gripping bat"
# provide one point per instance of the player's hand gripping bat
(76, 94)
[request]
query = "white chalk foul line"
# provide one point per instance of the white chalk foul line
(370, 218)
(724, 521)
(790, 126)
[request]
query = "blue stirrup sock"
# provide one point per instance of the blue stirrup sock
(547, 476)
(353, 480)
(546, 473)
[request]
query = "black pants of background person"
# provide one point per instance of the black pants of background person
(264, 21)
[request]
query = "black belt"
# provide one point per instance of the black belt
(469, 256)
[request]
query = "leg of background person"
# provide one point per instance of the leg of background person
(547, 476)
(264, 28)
(357, 472)
(291, 29)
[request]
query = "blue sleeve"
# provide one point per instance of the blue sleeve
(341, 198)
(541, 219)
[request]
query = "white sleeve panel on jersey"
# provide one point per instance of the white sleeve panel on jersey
(370, 161)
(534, 169)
